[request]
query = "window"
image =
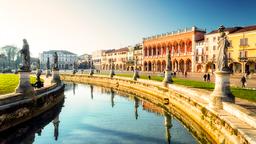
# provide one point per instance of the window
(214, 38)
(214, 47)
(206, 48)
(244, 42)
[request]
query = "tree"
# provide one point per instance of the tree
(11, 53)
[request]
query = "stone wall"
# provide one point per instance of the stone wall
(16, 108)
(205, 124)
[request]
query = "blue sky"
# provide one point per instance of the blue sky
(83, 26)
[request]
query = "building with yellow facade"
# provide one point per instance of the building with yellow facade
(242, 52)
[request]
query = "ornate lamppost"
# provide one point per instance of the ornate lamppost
(55, 70)
(91, 68)
(48, 73)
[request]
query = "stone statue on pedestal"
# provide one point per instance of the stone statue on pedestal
(24, 86)
(55, 72)
(168, 76)
(223, 44)
(55, 57)
(222, 92)
(25, 57)
(136, 74)
(48, 63)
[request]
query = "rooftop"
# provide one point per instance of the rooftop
(58, 51)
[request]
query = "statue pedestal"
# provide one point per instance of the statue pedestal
(56, 77)
(135, 75)
(221, 91)
(167, 77)
(24, 86)
(48, 73)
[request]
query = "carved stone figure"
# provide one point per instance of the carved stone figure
(48, 63)
(55, 56)
(223, 44)
(169, 65)
(25, 57)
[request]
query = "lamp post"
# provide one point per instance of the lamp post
(136, 74)
(112, 72)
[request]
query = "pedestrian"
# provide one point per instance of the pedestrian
(174, 74)
(205, 76)
(186, 74)
(243, 81)
(149, 77)
(208, 77)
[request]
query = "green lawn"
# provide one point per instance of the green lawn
(237, 92)
(8, 82)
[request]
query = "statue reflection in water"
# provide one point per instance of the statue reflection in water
(56, 122)
(168, 125)
(74, 88)
(91, 86)
(112, 97)
(136, 105)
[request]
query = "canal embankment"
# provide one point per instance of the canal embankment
(16, 108)
(233, 124)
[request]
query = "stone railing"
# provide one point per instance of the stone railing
(188, 105)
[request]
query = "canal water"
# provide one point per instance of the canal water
(97, 115)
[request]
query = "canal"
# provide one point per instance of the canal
(93, 114)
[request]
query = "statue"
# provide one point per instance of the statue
(55, 56)
(48, 63)
(223, 44)
(169, 65)
(25, 57)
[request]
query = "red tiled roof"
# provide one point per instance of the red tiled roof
(247, 28)
(122, 49)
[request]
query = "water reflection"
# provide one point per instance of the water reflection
(136, 105)
(168, 125)
(26, 132)
(88, 118)
(91, 86)
(112, 97)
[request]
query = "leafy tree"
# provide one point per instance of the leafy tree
(11, 53)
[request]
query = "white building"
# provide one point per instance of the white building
(84, 61)
(66, 59)
(97, 59)
(200, 59)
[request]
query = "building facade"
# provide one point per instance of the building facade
(66, 59)
(97, 58)
(200, 56)
(84, 61)
(181, 44)
(211, 48)
(242, 52)
(118, 56)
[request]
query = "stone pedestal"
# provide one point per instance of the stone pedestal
(167, 77)
(221, 91)
(56, 77)
(24, 85)
(48, 73)
(135, 75)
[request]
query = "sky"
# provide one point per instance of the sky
(83, 26)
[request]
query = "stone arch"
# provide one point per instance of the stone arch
(188, 65)
(154, 50)
(163, 65)
(182, 46)
(145, 65)
(149, 66)
(175, 65)
(158, 66)
(181, 65)
(189, 45)
(199, 68)
(145, 51)
(175, 47)
(117, 67)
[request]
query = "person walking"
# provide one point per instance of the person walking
(186, 74)
(243, 81)
(208, 77)
(205, 76)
